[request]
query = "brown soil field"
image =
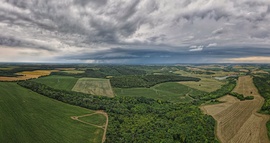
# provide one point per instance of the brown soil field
(27, 75)
(238, 121)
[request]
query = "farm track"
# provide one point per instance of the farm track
(104, 127)
(238, 121)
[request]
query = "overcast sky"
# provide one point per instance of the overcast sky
(135, 31)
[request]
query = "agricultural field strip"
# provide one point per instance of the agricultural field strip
(94, 86)
(245, 119)
(104, 127)
(27, 75)
(205, 81)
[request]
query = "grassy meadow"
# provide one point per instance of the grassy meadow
(58, 82)
(97, 119)
(28, 117)
(205, 84)
(170, 91)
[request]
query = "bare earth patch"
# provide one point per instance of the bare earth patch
(238, 121)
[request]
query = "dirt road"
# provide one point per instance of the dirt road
(104, 127)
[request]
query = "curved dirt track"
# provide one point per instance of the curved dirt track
(238, 121)
(104, 127)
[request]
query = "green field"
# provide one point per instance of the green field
(207, 82)
(73, 71)
(169, 91)
(97, 119)
(58, 82)
(28, 117)
(94, 86)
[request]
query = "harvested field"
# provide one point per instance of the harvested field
(238, 121)
(28, 75)
(94, 86)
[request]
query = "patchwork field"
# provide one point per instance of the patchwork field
(26, 116)
(207, 83)
(58, 82)
(27, 75)
(94, 86)
(170, 91)
(238, 121)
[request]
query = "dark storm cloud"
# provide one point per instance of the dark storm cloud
(117, 55)
(141, 28)
(120, 53)
(17, 43)
(95, 2)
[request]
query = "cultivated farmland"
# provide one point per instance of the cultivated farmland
(94, 86)
(27, 75)
(238, 121)
(170, 91)
(58, 82)
(207, 83)
(26, 116)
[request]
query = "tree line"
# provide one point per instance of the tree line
(263, 85)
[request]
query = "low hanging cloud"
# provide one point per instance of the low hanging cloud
(79, 27)
(212, 45)
(196, 48)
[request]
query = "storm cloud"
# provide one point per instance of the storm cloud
(135, 31)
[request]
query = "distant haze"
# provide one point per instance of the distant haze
(135, 31)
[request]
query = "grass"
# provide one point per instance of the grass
(169, 91)
(6, 69)
(205, 84)
(97, 119)
(58, 82)
(94, 86)
(26, 116)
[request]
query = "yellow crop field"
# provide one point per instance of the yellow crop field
(28, 75)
